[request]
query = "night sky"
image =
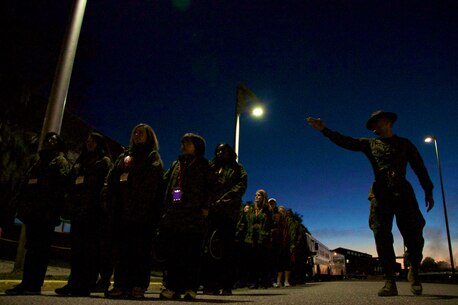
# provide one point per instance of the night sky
(175, 65)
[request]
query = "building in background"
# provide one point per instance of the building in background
(358, 264)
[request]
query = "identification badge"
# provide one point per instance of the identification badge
(128, 161)
(124, 177)
(33, 181)
(79, 180)
(177, 194)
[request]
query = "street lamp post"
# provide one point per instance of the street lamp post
(430, 139)
(243, 95)
(58, 97)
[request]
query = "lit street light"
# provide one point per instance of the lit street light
(243, 96)
(257, 111)
(430, 139)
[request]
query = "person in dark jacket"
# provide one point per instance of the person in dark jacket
(391, 194)
(258, 241)
(242, 249)
(224, 213)
(188, 193)
(84, 202)
(133, 191)
(40, 203)
(281, 244)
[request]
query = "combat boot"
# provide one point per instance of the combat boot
(414, 279)
(390, 289)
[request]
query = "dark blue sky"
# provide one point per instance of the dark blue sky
(175, 65)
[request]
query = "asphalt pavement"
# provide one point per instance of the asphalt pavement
(346, 292)
(322, 293)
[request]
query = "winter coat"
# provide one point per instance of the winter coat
(258, 225)
(231, 184)
(196, 182)
(87, 178)
(133, 187)
(42, 194)
(281, 235)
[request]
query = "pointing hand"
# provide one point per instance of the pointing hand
(318, 124)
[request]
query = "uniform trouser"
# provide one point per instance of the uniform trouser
(283, 259)
(219, 272)
(410, 221)
(260, 265)
(243, 264)
(85, 255)
(39, 238)
(106, 250)
(184, 251)
(133, 266)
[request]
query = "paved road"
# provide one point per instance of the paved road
(324, 293)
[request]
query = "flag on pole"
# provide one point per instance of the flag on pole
(244, 94)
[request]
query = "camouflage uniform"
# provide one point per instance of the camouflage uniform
(40, 203)
(230, 187)
(183, 224)
(41, 197)
(197, 187)
(85, 211)
(135, 202)
(223, 217)
(258, 245)
(391, 194)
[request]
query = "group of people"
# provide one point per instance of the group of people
(271, 243)
(120, 211)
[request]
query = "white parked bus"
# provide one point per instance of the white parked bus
(326, 264)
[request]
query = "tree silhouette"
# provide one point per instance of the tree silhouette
(428, 264)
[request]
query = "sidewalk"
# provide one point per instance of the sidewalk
(55, 277)
(6, 267)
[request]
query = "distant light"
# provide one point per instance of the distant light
(257, 111)
(429, 139)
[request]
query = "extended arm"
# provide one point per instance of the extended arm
(337, 138)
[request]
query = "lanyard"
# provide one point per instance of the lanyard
(179, 175)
